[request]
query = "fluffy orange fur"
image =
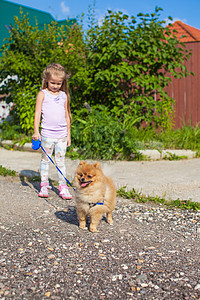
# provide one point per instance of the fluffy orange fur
(93, 187)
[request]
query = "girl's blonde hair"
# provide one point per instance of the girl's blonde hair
(59, 71)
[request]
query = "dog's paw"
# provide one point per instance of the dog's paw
(110, 220)
(83, 227)
(93, 228)
(82, 224)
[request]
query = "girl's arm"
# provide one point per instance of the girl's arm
(67, 117)
(38, 109)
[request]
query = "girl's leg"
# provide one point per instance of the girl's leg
(60, 151)
(48, 146)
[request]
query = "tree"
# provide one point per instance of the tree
(130, 63)
(28, 51)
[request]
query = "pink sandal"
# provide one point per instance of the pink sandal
(44, 191)
(64, 192)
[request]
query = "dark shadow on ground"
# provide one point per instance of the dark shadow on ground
(34, 178)
(69, 215)
(31, 177)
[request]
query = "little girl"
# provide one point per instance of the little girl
(53, 102)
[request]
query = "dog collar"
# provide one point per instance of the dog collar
(91, 204)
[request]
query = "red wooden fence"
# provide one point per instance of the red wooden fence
(186, 91)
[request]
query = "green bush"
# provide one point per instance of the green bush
(25, 55)
(129, 65)
(98, 135)
(25, 100)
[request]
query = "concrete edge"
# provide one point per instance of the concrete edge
(158, 155)
(150, 154)
(25, 147)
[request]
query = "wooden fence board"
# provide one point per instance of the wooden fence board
(186, 91)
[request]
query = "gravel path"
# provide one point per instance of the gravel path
(149, 253)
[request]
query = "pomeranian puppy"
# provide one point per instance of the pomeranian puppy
(95, 195)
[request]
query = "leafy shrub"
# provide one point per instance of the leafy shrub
(24, 99)
(99, 135)
(25, 55)
(129, 65)
(9, 131)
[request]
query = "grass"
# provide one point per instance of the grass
(7, 172)
(173, 156)
(187, 137)
(140, 198)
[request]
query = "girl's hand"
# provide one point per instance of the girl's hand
(36, 136)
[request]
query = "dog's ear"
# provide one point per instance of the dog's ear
(82, 162)
(97, 165)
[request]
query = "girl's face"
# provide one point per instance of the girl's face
(54, 84)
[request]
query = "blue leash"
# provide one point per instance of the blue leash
(36, 145)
